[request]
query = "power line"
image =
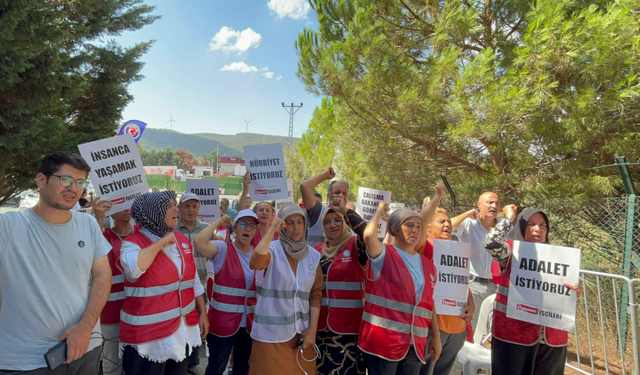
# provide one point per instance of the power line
(292, 111)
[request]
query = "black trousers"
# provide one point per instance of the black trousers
(409, 365)
(134, 364)
(538, 359)
(85, 365)
(220, 351)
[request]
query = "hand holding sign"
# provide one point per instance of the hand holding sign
(100, 208)
(578, 289)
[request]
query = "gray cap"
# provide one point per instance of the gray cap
(188, 196)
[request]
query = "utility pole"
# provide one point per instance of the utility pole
(247, 123)
(292, 111)
(217, 157)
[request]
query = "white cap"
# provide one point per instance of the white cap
(247, 213)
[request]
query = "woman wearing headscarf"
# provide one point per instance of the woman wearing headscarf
(453, 329)
(230, 291)
(343, 260)
(159, 324)
(519, 347)
(399, 312)
(289, 286)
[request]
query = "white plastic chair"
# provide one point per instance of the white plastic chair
(474, 356)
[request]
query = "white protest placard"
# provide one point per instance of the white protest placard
(367, 205)
(116, 170)
(207, 191)
(282, 202)
(267, 171)
(536, 291)
(451, 259)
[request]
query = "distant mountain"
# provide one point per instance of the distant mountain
(203, 143)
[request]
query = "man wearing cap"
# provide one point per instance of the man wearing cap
(190, 226)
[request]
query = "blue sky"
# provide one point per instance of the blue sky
(215, 62)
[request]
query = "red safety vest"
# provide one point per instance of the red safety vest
(157, 301)
(343, 292)
(392, 321)
(258, 237)
(229, 296)
(111, 312)
(517, 331)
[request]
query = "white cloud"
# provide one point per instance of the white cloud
(265, 69)
(239, 66)
(279, 77)
(296, 9)
(230, 40)
(268, 75)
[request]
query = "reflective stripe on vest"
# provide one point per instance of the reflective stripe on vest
(398, 306)
(282, 294)
(158, 290)
(227, 307)
(116, 296)
(281, 320)
(503, 290)
(236, 292)
(342, 285)
(117, 279)
(501, 307)
(141, 320)
(343, 303)
(393, 325)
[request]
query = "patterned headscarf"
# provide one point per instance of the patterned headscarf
(150, 209)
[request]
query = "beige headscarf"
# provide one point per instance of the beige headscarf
(331, 247)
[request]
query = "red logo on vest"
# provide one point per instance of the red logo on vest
(449, 302)
(527, 309)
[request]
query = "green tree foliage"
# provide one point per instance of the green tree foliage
(61, 82)
(153, 157)
(209, 160)
(510, 95)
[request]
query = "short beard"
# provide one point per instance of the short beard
(51, 203)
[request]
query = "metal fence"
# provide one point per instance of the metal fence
(599, 344)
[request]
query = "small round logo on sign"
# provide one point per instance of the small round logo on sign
(81, 244)
(347, 253)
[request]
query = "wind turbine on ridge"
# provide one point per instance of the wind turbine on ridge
(247, 123)
(171, 121)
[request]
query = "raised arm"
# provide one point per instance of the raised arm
(374, 247)
(306, 188)
(494, 242)
(148, 254)
(427, 212)
(457, 221)
(203, 241)
(100, 209)
(246, 182)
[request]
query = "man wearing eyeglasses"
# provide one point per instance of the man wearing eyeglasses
(54, 273)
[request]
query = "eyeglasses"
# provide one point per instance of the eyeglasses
(67, 181)
(245, 225)
(329, 223)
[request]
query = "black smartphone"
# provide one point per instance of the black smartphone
(300, 341)
(56, 355)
